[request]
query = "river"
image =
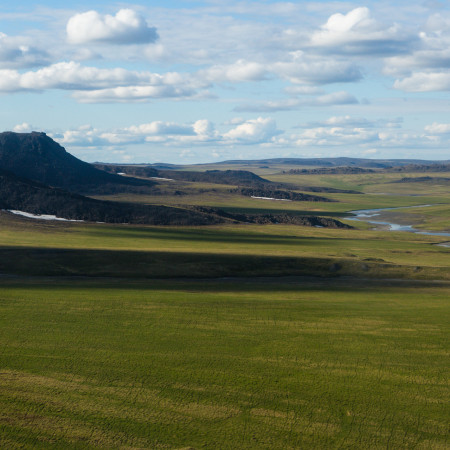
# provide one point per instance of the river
(380, 219)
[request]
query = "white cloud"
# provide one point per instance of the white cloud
(358, 33)
(424, 82)
(23, 128)
(253, 131)
(423, 60)
(241, 70)
(91, 84)
(332, 136)
(302, 68)
(129, 94)
(202, 131)
(354, 122)
(16, 52)
(290, 104)
(338, 24)
(336, 98)
(426, 69)
(438, 128)
(126, 27)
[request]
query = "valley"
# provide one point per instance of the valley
(229, 305)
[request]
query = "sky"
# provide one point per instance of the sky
(211, 80)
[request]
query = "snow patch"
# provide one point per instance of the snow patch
(270, 198)
(162, 179)
(41, 216)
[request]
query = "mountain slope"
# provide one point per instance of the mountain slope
(39, 158)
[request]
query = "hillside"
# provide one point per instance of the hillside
(24, 195)
(234, 177)
(133, 170)
(39, 158)
(277, 194)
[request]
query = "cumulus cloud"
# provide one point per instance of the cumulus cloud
(151, 132)
(424, 82)
(126, 27)
(306, 71)
(332, 136)
(71, 76)
(241, 70)
(358, 33)
(18, 53)
(438, 128)
(427, 68)
(23, 128)
(202, 131)
(91, 84)
(253, 131)
(432, 60)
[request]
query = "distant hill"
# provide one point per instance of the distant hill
(443, 166)
(342, 170)
(39, 158)
(334, 162)
(21, 194)
(430, 180)
(234, 177)
(132, 170)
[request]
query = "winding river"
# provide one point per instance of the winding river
(376, 217)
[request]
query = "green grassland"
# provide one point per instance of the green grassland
(378, 190)
(229, 336)
(291, 363)
(28, 247)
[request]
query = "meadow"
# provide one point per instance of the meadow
(274, 363)
(234, 335)
(372, 190)
(30, 247)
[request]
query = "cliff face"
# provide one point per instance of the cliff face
(39, 158)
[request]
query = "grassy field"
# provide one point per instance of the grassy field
(378, 190)
(41, 248)
(230, 336)
(291, 363)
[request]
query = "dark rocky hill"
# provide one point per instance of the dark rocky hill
(278, 194)
(430, 180)
(133, 170)
(234, 177)
(39, 158)
(21, 194)
(443, 166)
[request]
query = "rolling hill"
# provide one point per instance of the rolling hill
(21, 194)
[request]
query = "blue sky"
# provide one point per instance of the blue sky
(200, 81)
